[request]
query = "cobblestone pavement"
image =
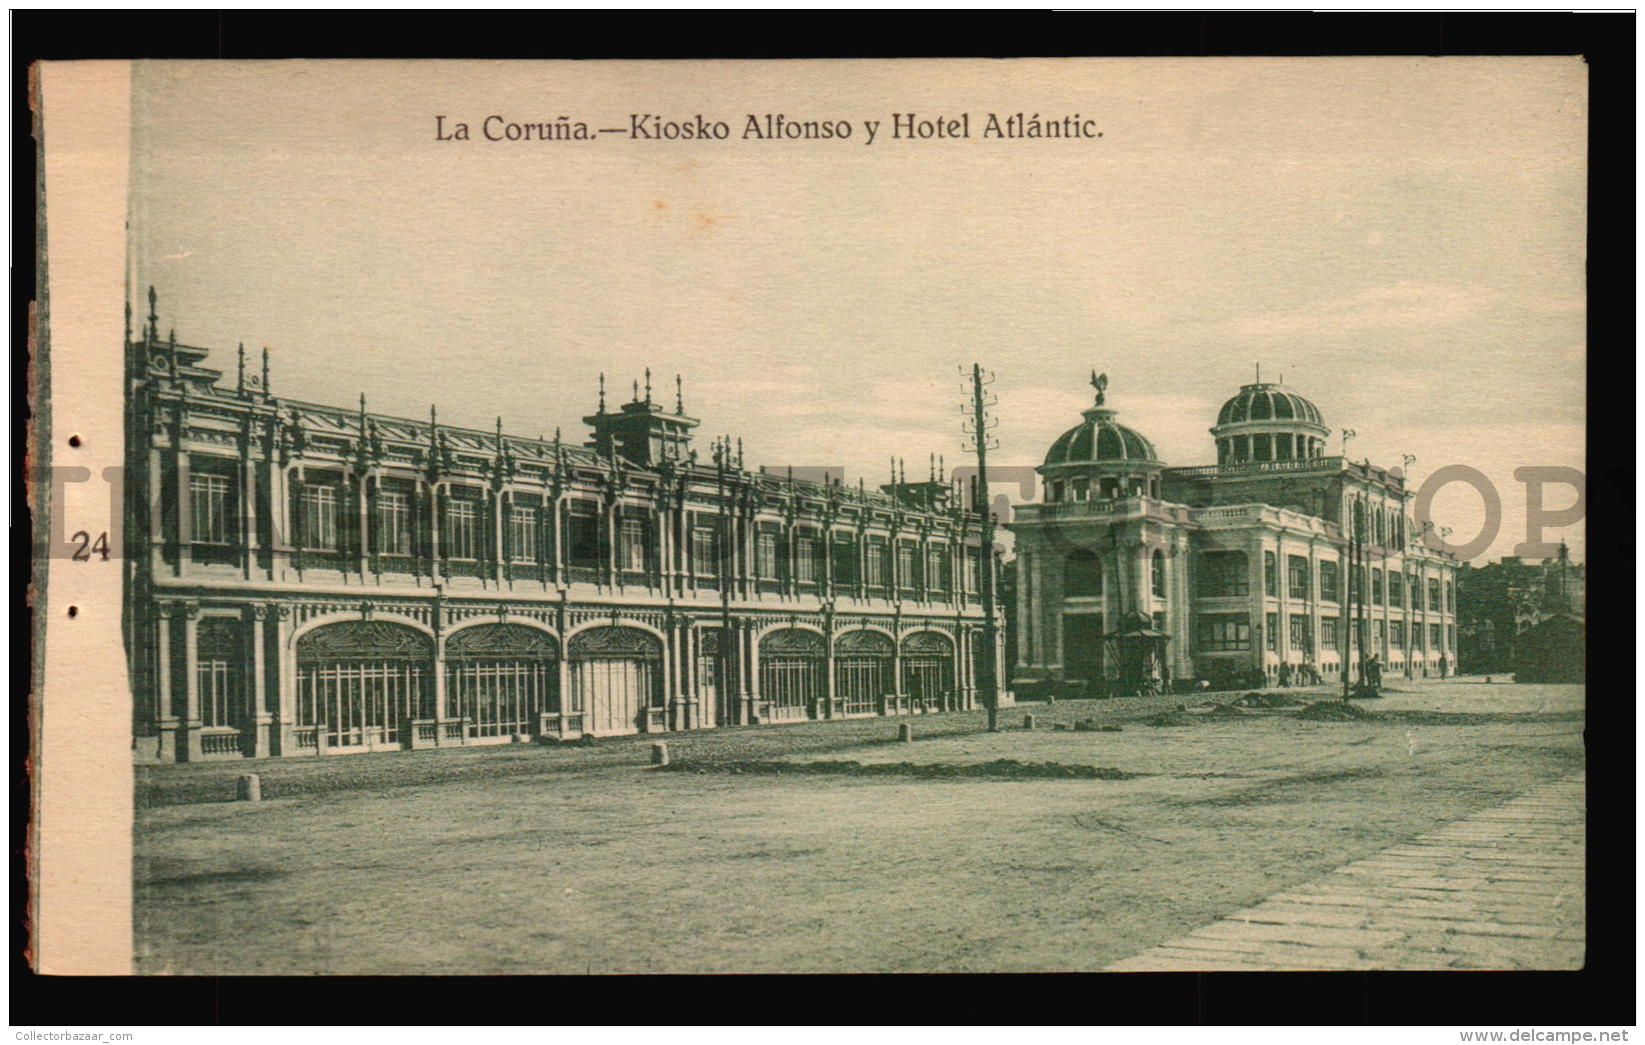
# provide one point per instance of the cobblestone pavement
(1500, 890)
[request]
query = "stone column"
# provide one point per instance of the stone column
(1025, 611)
(557, 520)
(748, 683)
(831, 697)
(1257, 605)
(190, 613)
(166, 719)
(262, 714)
(674, 677)
(284, 683)
(185, 504)
(364, 487)
(442, 712)
(248, 502)
(1180, 612)
(500, 507)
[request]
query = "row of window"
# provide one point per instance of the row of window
(1231, 632)
(463, 534)
(1105, 488)
(1224, 574)
(1393, 583)
(1279, 446)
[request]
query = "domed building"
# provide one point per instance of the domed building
(1268, 422)
(1275, 566)
(1100, 458)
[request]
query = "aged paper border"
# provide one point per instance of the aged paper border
(81, 772)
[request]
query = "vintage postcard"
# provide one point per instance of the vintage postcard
(811, 516)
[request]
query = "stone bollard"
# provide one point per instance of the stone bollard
(250, 788)
(1028, 722)
(659, 754)
(905, 732)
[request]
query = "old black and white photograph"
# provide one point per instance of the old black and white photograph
(1018, 516)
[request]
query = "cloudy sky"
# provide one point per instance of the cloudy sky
(1403, 239)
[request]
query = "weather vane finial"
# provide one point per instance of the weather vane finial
(1100, 383)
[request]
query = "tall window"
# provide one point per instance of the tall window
(218, 672)
(1396, 631)
(905, 565)
(522, 533)
(1270, 631)
(1382, 637)
(1223, 632)
(874, 568)
(218, 692)
(1081, 574)
(1450, 597)
(845, 561)
(213, 508)
(1270, 573)
(973, 569)
(1433, 594)
(319, 507)
(583, 541)
(765, 556)
(1396, 590)
(1296, 568)
(462, 530)
(1328, 581)
(1376, 587)
(1158, 574)
(936, 567)
(393, 523)
(632, 532)
(1435, 642)
(805, 560)
(1328, 627)
(1221, 574)
(705, 550)
(1300, 638)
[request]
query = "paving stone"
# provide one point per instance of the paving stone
(1500, 890)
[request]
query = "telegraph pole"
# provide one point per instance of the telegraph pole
(979, 429)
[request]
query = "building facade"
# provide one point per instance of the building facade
(1500, 602)
(1277, 565)
(306, 579)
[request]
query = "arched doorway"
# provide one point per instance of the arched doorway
(501, 677)
(361, 683)
(928, 670)
(793, 674)
(616, 673)
(862, 671)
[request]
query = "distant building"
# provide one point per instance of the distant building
(1276, 565)
(307, 579)
(1499, 602)
(1552, 650)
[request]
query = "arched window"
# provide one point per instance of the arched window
(500, 677)
(928, 670)
(361, 682)
(616, 673)
(1082, 574)
(862, 671)
(1159, 574)
(793, 673)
